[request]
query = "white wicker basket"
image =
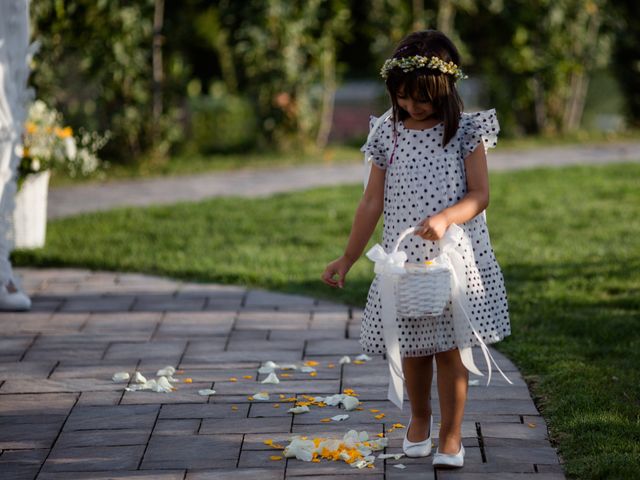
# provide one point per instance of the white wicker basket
(424, 290)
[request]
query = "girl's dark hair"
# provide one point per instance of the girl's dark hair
(426, 84)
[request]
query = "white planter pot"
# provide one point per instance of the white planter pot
(30, 215)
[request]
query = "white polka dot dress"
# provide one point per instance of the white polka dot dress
(423, 179)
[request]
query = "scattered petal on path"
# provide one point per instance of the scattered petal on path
(120, 376)
(363, 358)
(271, 378)
(339, 418)
(345, 359)
(207, 391)
(303, 409)
(400, 466)
(139, 378)
(261, 396)
(166, 371)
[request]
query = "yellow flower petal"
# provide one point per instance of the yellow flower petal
(275, 457)
(233, 407)
(313, 374)
(248, 377)
(233, 379)
(325, 420)
(374, 410)
(188, 380)
(311, 363)
(379, 416)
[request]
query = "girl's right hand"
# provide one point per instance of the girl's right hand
(339, 268)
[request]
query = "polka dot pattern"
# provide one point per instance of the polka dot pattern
(424, 179)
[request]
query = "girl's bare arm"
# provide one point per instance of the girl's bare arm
(364, 223)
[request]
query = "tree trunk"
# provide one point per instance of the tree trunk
(157, 63)
(328, 60)
(446, 15)
(418, 15)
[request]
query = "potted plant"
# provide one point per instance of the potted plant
(47, 146)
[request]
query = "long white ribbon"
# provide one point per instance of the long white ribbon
(449, 253)
(389, 266)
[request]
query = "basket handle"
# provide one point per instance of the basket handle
(402, 236)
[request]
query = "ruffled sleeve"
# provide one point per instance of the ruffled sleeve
(478, 127)
(374, 148)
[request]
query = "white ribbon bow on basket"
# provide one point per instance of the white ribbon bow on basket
(389, 266)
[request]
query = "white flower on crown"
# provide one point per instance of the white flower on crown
(408, 64)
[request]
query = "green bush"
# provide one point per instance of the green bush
(221, 122)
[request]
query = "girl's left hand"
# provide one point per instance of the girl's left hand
(433, 228)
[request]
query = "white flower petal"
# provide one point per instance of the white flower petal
(363, 358)
(307, 369)
(303, 409)
(271, 378)
(166, 371)
(120, 376)
(206, 392)
(339, 418)
(288, 366)
(139, 378)
(300, 449)
(261, 396)
(345, 359)
(395, 456)
(162, 385)
(268, 367)
(474, 383)
(400, 466)
(350, 402)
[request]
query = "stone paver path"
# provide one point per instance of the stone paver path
(62, 417)
(252, 183)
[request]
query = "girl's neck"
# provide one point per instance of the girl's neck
(413, 124)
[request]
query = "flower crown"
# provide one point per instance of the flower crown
(418, 61)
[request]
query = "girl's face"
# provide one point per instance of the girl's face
(417, 109)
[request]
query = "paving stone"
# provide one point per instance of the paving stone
(34, 457)
(194, 359)
(246, 425)
(505, 467)
(122, 323)
(519, 407)
(196, 324)
(168, 350)
(261, 459)
(255, 441)
(235, 474)
(336, 347)
(451, 475)
(261, 298)
(215, 426)
(266, 346)
(185, 393)
(532, 454)
(93, 458)
(66, 385)
(25, 370)
(70, 352)
(28, 436)
(250, 387)
(188, 426)
(362, 476)
(116, 475)
(307, 334)
(99, 398)
(192, 451)
(120, 304)
(35, 404)
(167, 303)
(100, 369)
(103, 438)
(112, 417)
(204, 411)
(325, 469)
(513, 431)
(18, 471)
(41, 322)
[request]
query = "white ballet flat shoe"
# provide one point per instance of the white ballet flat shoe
(16, 301)
(449, 460)
(417, 449)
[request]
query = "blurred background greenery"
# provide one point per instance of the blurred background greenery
(196, 78)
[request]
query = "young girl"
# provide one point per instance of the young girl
(430, 170)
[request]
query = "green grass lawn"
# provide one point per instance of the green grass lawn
(568, 240)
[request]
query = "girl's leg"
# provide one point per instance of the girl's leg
(418, 373)
(453, 384)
